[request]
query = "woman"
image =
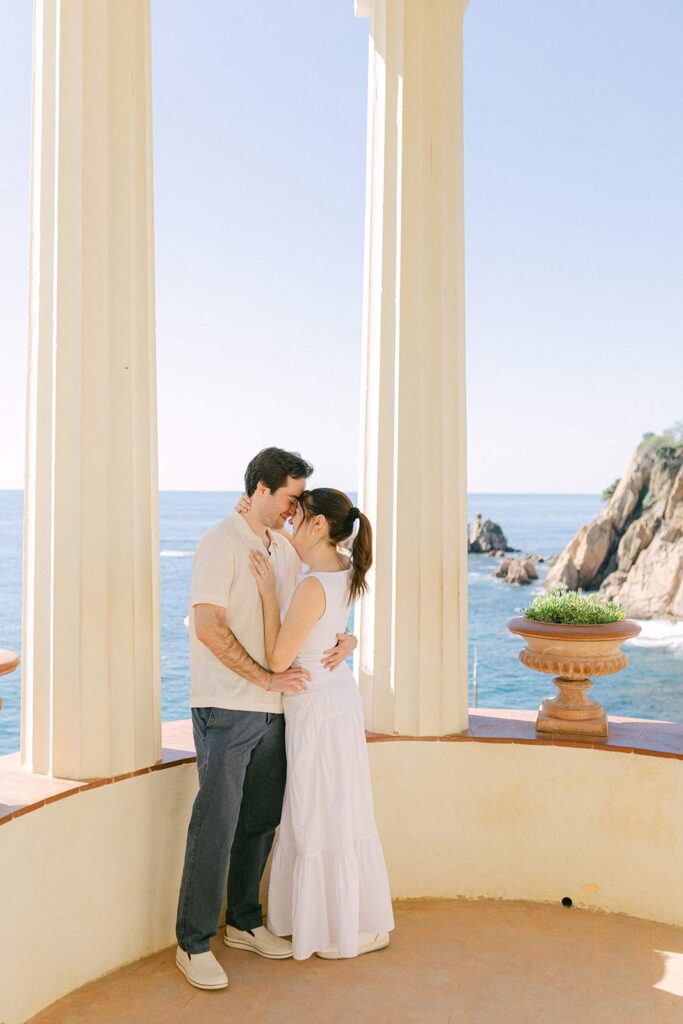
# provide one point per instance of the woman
(328, 884)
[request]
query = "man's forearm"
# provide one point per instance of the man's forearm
(225, 646)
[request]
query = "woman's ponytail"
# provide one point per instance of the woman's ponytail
(361, 555)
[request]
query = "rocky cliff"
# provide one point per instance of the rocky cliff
(633, 551)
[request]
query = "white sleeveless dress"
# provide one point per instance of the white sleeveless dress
(328, 878)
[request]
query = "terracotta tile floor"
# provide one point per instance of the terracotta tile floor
(450, 961)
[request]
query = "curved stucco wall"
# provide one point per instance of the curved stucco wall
(90, 882)
(517, 821)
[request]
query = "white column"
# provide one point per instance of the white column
(91, 694)
(412, 659)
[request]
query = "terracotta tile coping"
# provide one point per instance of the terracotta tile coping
(21, 792)
(626, 735)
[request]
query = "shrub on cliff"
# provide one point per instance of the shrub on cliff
(610, 489)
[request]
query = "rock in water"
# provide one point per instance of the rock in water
(633, 551)
(517, 571)
(486, 536)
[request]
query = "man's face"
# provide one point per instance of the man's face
(274, 508)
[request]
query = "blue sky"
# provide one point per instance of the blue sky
(574, 219)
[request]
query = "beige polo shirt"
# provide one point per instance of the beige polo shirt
(221, 576)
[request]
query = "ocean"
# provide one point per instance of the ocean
(650, 687)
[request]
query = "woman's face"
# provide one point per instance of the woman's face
(297, 518)
(305, 535)
(300, 528)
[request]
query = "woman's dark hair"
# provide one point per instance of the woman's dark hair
(273, 466)
(341, 514)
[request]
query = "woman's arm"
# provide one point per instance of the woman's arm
(271, 623)
(307, 606)
(283, 642)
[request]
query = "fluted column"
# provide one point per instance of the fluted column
(91, 694)
(412, 659)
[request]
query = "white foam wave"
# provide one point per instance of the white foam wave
(658, 633)
(175, 554)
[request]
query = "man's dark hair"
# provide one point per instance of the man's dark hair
(273, 466)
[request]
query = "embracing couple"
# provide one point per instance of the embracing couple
(278, 729)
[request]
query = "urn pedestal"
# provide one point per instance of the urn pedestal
(573, 654)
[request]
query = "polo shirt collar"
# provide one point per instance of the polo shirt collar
(246, 529)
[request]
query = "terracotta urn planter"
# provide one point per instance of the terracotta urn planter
(572, 654)
(8, 662)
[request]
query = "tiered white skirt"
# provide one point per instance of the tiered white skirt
(328, 878)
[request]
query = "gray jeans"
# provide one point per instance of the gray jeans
(242, 771)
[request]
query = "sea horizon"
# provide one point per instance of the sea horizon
(349, 490)
(534, 523)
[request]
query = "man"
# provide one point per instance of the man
(238, 722)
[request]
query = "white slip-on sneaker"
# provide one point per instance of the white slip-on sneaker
(258, 940)
(201, 969)
(368, 942)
